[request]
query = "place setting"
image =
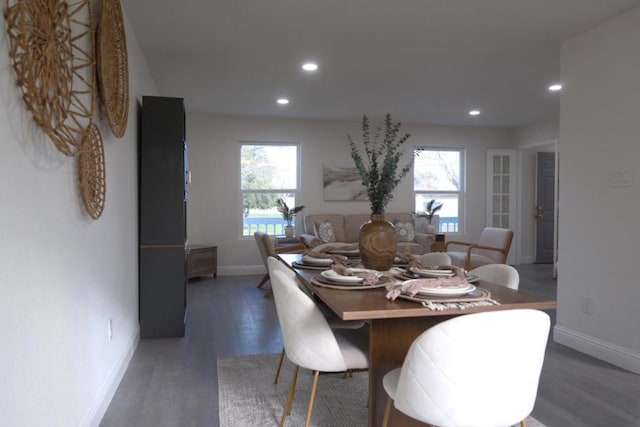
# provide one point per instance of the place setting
(350, 278)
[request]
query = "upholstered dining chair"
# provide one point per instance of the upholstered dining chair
(268, 246)
(492, 248)
(476, 370)
(501, 274)
(334, 321)
(435, 258)
(309, 342)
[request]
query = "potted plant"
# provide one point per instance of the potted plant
(377, 160)
(432, 207)
(288, 215)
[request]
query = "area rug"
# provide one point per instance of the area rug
(247, 396)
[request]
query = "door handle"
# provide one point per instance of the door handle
(539, 213)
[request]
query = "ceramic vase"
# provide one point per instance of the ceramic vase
(377, 243)
(288, 231)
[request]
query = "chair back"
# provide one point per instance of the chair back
(308, 339)
(502, 274)
(265, 243)
(477, 370)
(435, 258)
(497, 238)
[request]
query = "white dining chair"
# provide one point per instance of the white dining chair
(435, 258)
(476, 370)
(334, 321)
(309, 342)
(502, 274)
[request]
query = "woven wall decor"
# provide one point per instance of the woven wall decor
(91, 173)
(112, 64)
(51, 47)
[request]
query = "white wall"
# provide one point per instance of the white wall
(214, 204)
(62, 274)
(599, 232)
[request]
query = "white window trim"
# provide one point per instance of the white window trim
(296, 191)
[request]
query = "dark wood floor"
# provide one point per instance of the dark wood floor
(173, 382)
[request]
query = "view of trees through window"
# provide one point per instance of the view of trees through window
(437, 174)
(269, 171)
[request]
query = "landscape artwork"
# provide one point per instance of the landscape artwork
(342, 182)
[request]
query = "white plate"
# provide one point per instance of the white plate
(317, 261)
(431, 273)
(335, 277)
(448, 291)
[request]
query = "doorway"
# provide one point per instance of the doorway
(545, 207)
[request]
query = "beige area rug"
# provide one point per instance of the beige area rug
(248, 397)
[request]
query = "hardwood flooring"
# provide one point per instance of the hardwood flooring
(173, 382)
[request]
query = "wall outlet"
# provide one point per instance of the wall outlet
(110, 329)
(587, 305)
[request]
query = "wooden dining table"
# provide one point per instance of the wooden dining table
(394, 325)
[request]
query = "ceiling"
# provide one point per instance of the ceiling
(423, 61)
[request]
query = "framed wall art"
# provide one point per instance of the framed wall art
(342, 182)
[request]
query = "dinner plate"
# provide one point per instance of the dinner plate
(339, 278)
(423, 272)
(462, 289)
(316, 261)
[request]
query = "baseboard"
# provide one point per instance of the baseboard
(108, 389)
(611, 353)
(241, 270)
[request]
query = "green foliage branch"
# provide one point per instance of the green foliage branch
(378, 167)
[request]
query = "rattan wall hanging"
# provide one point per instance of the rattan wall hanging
(112, 64)
(91, 173)
(51, 47)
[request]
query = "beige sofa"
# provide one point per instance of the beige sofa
(347, 228)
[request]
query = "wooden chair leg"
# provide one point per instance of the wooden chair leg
(292, 387)
(268, 293)
(314, 385)
(264, 280)
(279, 366)
(523, 423)
(387, 411)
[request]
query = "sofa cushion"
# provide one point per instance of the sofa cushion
(352, 224)
(405, 232)
(336, 220)
(325, 232)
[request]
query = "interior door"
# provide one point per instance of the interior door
(501, 188)
(545, 204)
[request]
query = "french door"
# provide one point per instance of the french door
(501, 192)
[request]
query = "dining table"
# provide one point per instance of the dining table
(394, 325)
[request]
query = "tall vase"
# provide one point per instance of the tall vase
(377, 243)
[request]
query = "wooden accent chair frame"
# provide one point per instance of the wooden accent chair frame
(268, 246)
(493, 248)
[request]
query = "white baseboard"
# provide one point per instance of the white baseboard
(108, 389)
(611, 353)
(241, 270)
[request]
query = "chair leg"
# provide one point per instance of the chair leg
(387, 412)
(287, 406)
(268, 293)
(314, 385)
(279, 366)
(264, 280)
(523, 423)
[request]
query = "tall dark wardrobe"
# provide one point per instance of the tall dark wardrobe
(162, 217)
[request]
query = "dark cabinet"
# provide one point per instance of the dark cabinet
(162, 217)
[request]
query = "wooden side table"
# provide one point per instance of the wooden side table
(202, 260)
(439, 244)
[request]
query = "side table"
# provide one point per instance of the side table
(439, 244)
(202, 260)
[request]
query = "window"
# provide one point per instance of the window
(438, 173)
(268, 171)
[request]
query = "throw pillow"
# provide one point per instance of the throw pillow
(405, 232)
(325, 232)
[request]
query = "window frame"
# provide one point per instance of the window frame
(295, 191)
(461, 192)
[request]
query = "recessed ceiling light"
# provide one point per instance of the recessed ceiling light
(555, 87)
(282, 101)
(474, 112)
(310, 66)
